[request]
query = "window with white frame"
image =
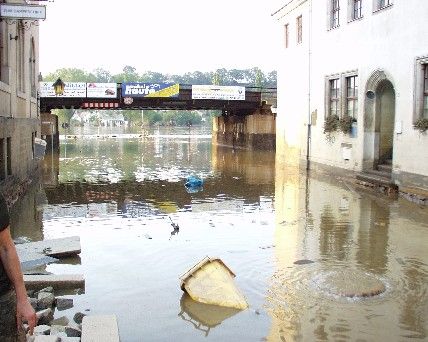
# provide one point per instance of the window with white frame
(357, 7)
(334, 97)
(352, 96)
(421, 86)
(425, 93)
(379, 4)
(335, 12)
(286, 35)
(299, 26)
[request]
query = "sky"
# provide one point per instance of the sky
(166, 36)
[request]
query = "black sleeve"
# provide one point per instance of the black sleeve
(4, 214)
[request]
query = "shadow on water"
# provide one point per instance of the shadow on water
(293, 241)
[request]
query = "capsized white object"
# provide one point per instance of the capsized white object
(210, 281)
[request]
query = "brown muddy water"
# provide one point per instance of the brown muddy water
(317, 259)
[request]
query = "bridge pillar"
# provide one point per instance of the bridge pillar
(255, 131)
(50, 131)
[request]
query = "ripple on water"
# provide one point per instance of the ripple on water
(350, 283)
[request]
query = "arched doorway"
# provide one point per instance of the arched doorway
(385, 119)
(379, 121)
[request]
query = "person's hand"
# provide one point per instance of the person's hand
(26, 313)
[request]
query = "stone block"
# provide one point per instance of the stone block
(100, 328)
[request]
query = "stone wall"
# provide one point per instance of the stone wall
(253, 132)
(24, 168)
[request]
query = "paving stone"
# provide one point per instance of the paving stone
(100, 328)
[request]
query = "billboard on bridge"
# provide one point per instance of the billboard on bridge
(80, 89)
(137, 89)
(71, 89)
(101, 90)
(215, 92)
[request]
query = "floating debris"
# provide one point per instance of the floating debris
(193, 184)
(210, 281)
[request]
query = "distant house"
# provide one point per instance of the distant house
(99, 117)
(366, 62)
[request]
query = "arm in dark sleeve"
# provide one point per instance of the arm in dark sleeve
(4, 214)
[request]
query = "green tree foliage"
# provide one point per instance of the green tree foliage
(70, 75)
(128, 74)
(245, 77)
(102, 76)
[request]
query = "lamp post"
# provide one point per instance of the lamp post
(59, 87)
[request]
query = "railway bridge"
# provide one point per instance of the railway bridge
(246, 120)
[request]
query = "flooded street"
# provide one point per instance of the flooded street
(292, 241)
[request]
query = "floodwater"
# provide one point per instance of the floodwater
(290, 239)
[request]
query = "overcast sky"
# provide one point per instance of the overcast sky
(168, 36)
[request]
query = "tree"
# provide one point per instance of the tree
(153, 77)
(70, 75)
(102, 76)
(129, 74)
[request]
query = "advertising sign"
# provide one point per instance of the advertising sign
(150, 90)
(214, 92)
(71, 89)
(18, 11)
(101, 90)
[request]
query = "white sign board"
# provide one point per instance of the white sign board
(18, 11)
(71, 89)
(201, 92)
(101, 90)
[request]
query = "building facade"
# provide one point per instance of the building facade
(19, 115)
(361, 66)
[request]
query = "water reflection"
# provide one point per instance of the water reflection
(321, 219)
(282, 234)
(202, 316)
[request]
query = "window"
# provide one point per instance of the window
(20, 52)
(357, 9)
(4, 74)
(9, 156)
(425, 93)
(352, 96)
(33, 137)
(286, 35)
(32, 68)
(421, 86)
(2, 160)
(335, 10)
(334, 105)
(299, 29)
(383, 3)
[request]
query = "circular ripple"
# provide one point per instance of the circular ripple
(350, 283)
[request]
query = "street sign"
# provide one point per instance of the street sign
(18, 11)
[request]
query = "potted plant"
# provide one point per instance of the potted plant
(421, 124)
(331, 123)
(345, 123)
